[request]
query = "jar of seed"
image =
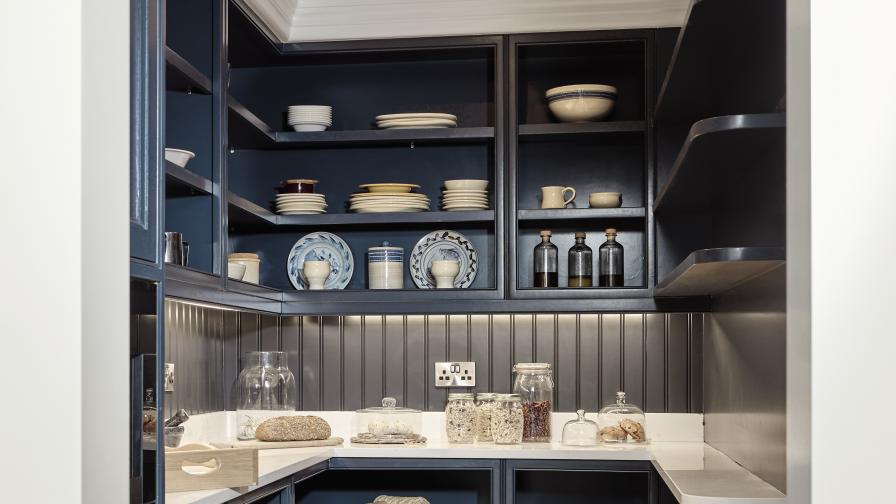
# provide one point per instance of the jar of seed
(535, 386)
(507, 419)
(460, 418)
(485, 404)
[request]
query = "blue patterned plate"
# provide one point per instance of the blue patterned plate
(321, 246)
(439, 245)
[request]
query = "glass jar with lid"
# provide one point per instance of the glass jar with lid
(507, 419)
(460, 418)
(622, 422)
(485, 404)
(535, 387)
(580, 432)
(264, 384)
(387, 424)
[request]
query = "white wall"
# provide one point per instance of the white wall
(63, 218)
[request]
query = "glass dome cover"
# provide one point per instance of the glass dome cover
(622, 422)
(580, 432)
(388, 423)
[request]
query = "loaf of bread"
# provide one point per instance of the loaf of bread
(390, 499)
(293, 428)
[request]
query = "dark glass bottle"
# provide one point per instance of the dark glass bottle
(610, 259)
(545, 255)
(580, 272)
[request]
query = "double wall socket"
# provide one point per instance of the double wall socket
(455, 374)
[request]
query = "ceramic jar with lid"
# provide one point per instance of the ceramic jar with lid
(507, 419)
(250, 261)
(535, 387)
(385, 267)
(622, 422)
(460, 418)
(297, 186)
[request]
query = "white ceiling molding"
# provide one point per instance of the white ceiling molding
(324, 20)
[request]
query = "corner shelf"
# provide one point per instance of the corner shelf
(726, 56)
(182, 182)
(246, 130)
(180, 75)
(553, 131)
(708, 272)
(246, 212)
(716, 152)
(563, 214)
(350, 138)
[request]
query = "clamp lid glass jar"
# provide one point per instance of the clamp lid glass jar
(507, 419)
(535, 386)
(485, 405)
(387, 424)
(622, 422)
(460, 418)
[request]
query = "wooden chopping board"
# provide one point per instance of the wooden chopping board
(268, 445)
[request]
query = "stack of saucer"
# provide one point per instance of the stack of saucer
(416, 120)
(465, 194)
(391, 197)
(297, 197)
(310, 117)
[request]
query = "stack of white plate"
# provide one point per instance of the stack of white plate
(416, 120)
(310, 117)
(301, 203)
(391, 197)
(465, 194)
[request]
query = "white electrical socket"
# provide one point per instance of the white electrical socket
(455, 374)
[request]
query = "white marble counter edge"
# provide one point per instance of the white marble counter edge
(696, 473)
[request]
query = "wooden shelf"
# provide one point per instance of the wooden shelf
(725, 160)
(335, 138)
(182, 182)
(708, 272)
(729, 59)
(563, 214)
(180, 75)
(553, 131)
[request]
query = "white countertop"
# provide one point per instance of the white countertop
(695, 472)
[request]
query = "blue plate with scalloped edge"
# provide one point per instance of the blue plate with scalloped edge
(321, 246)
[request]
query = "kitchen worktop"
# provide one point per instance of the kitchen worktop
(695, 472)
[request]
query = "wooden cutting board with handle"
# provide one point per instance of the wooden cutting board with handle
(268, 445)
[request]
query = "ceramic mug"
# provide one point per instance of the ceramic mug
(553, 196)
(445, 272)
(316, 273)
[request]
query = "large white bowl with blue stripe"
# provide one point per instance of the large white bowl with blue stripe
(581, 102)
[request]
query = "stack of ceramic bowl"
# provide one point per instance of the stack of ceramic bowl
(465, 194)
(416, 120)
(581, 102)
(310, 117)
(391, 197)
(243, 266)
(297, 197)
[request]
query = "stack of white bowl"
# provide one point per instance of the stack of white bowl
(581, 102)
(465, 194)
(416, 120)
(310, 117)
(389, 197)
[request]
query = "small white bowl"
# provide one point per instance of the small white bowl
(605, 200)
(236, 270)
(466, 184)
(179, 157)
(581, 108)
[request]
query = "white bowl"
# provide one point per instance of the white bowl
(605, 200)
(236, 270)
(179, 157)
(581, 108)
(572, 88)
(309, 127)
(466, 184)
(316, 108)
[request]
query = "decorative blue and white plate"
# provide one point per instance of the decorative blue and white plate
(321, 246)
(443, 245)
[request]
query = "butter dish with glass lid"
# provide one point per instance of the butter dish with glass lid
(387, 424)
(622, 422)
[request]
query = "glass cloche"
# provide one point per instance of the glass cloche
(622, 422)
(387, 424)
(580, 432)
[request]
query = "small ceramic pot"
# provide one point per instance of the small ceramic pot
(445, 272)
(250, 261)
(316, 273)
(385, 267)
(298, 186)
(605, 200)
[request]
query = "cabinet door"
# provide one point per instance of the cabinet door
(147, 74)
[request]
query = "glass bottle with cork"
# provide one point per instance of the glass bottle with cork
(545, 257)
(580, 272)
(610, 259)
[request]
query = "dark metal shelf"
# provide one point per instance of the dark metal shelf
(708, 272)
(353, 219)
(554, 131)
(336, 138)
(728, 60)
(197, 286)
(246, 130)
(180, 75)
(182, 182)
(243, 211)
(724, 159)
(563, 214)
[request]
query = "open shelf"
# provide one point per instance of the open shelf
(182, 182)
(729, 59)
(707, 272)
(336, 138)
(562, 214)
(244, 211)
(724, 158)
(246, 130)
(386, 219)
(180, 75)
(550, 131)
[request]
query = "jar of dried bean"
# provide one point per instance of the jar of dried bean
(507, 419)
(535, 386)
(485, 404)
(460, 418)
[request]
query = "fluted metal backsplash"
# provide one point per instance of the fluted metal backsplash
(348, 362)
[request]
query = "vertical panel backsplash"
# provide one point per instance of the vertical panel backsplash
(348, 362)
